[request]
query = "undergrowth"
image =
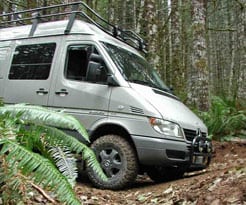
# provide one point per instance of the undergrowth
(225, 119)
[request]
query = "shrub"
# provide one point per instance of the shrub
(225, 119)
(33, 151)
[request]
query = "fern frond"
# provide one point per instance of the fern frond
(65, 162)
(40, 115)
(55, 136)
(40, 169)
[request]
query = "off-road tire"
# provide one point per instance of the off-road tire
(117, 156)
(164, 174)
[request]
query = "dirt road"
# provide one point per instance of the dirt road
(224, 182)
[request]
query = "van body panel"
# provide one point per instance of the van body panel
(91, 119)
(133, 124)
(170, 108)
(127, 100)
(14, 33)
(19, 92)
(5, 51)
(28, 90)
(89, 100)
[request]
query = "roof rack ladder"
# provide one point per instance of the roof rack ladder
(35, 21)
(72, 17)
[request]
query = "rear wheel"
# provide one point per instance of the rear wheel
(163, 174)
(118, 161)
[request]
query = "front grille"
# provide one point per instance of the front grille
(191, 134)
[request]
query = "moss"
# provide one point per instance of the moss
(198, 28)
(201, 64)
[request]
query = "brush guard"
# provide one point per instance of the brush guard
(201, 153)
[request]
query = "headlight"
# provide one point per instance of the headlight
(166, 127)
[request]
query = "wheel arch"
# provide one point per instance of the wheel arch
(114, 129)
(110, 128)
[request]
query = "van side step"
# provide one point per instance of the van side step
(71, 11)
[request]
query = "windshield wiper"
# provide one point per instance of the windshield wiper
(164, 89)
(142, 82)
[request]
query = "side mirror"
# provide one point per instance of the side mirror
(112, 81)
(94, 71)
(97, 72)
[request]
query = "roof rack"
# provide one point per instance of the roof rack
(70, 11)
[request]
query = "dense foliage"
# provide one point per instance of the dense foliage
(34, 153)
(225, 119)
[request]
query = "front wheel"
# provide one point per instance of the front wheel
(118, 160)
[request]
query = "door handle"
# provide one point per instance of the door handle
(62, 92)
(42, 91)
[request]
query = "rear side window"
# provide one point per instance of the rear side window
(32, 62)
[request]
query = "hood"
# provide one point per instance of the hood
(170, 107)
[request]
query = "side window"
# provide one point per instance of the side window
(32, 62)
(78, 64)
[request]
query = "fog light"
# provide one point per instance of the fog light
(200, 146)
(209, 146)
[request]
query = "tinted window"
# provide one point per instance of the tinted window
(80, 59)
(135, 68)
(32, 61)
(77, 61)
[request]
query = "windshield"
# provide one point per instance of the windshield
(134, 68)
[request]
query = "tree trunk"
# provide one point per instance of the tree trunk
(241, 53)
(176, 64)
(198, 82)
(111, 11)
(149, 29)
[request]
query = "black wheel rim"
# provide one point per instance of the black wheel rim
(110, 161)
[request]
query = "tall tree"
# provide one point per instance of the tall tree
(198, 76)
(1, 8)
(149, 29)
(162, 22)
(176, 63)
(241, 50)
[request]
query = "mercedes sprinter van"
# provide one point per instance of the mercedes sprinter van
(95, 71)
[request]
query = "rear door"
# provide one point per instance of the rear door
(30, 73)
(87, 101)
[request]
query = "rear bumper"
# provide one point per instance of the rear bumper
(169, 152)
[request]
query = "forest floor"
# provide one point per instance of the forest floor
(224, 182)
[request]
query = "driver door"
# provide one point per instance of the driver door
(87, 101)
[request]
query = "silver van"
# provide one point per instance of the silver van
(95, 71)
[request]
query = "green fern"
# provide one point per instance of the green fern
(65, 162)
(40, 169)
(39, 115)
(224, 119)
(19, 146)
(55, 136)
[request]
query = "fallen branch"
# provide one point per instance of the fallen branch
(41, 191)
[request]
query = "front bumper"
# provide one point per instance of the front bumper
(170, 152)
(200, 153)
